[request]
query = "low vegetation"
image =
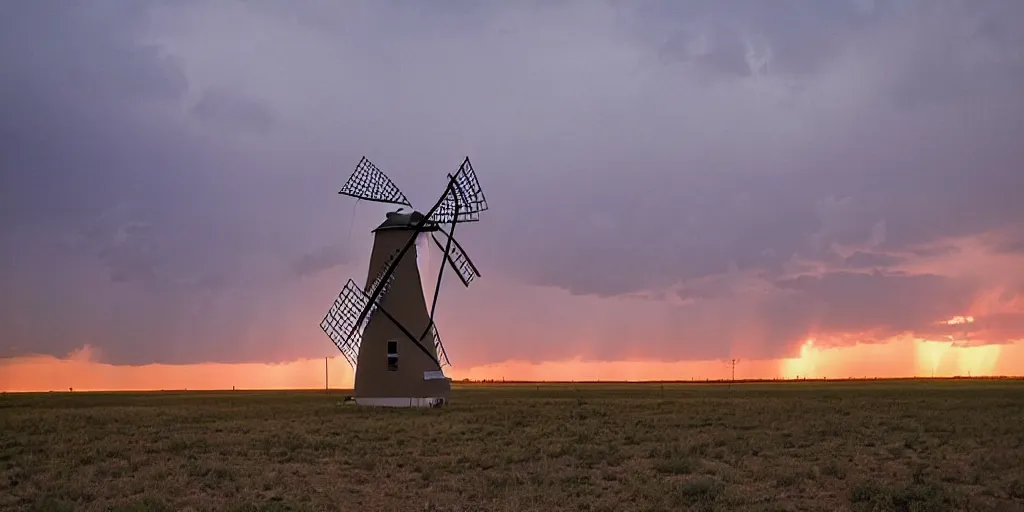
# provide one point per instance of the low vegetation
(861, 446)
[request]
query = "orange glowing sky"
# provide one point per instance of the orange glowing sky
(567, 335)
(899, 358)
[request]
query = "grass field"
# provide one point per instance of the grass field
(886, 445)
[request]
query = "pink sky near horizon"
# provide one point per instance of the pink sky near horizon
(898, 358)
(566, 339)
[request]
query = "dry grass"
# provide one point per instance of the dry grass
(911, 445)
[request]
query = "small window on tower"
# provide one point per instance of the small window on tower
(392, 355)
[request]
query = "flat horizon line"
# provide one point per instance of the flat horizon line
(493, 382)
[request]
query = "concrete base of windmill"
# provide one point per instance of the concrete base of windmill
(402, 401)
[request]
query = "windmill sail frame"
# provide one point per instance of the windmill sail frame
(341, 320)
(456, 256)
(463, 199)
(369, 183)
(353, 297)
(463, 187)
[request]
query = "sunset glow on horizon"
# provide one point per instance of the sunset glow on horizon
(898, 359)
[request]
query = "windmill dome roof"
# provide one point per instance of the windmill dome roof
(403, 220)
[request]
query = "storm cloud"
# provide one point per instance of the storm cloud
(667, 179)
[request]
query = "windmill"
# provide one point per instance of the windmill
(385, 329)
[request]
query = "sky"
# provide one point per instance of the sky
(823, 187)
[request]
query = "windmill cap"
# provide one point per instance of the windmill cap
(399, 220)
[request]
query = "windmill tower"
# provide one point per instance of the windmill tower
(385, 329)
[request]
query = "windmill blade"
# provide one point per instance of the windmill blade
(438, 347)
(472, 194)
(464, 198)
(449, 211)
(374, 294)
(369, 183)
(385, 270)
(456, 257)
(354, 308)
(351, 313)
(445, 250)
(342, 319)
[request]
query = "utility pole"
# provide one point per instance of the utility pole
(327, 386)
(732, 362)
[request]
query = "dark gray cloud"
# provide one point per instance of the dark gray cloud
(759, 172)
(869, 260)
(749, 38)
(841, 301)
(324, 258)
(228, 111)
